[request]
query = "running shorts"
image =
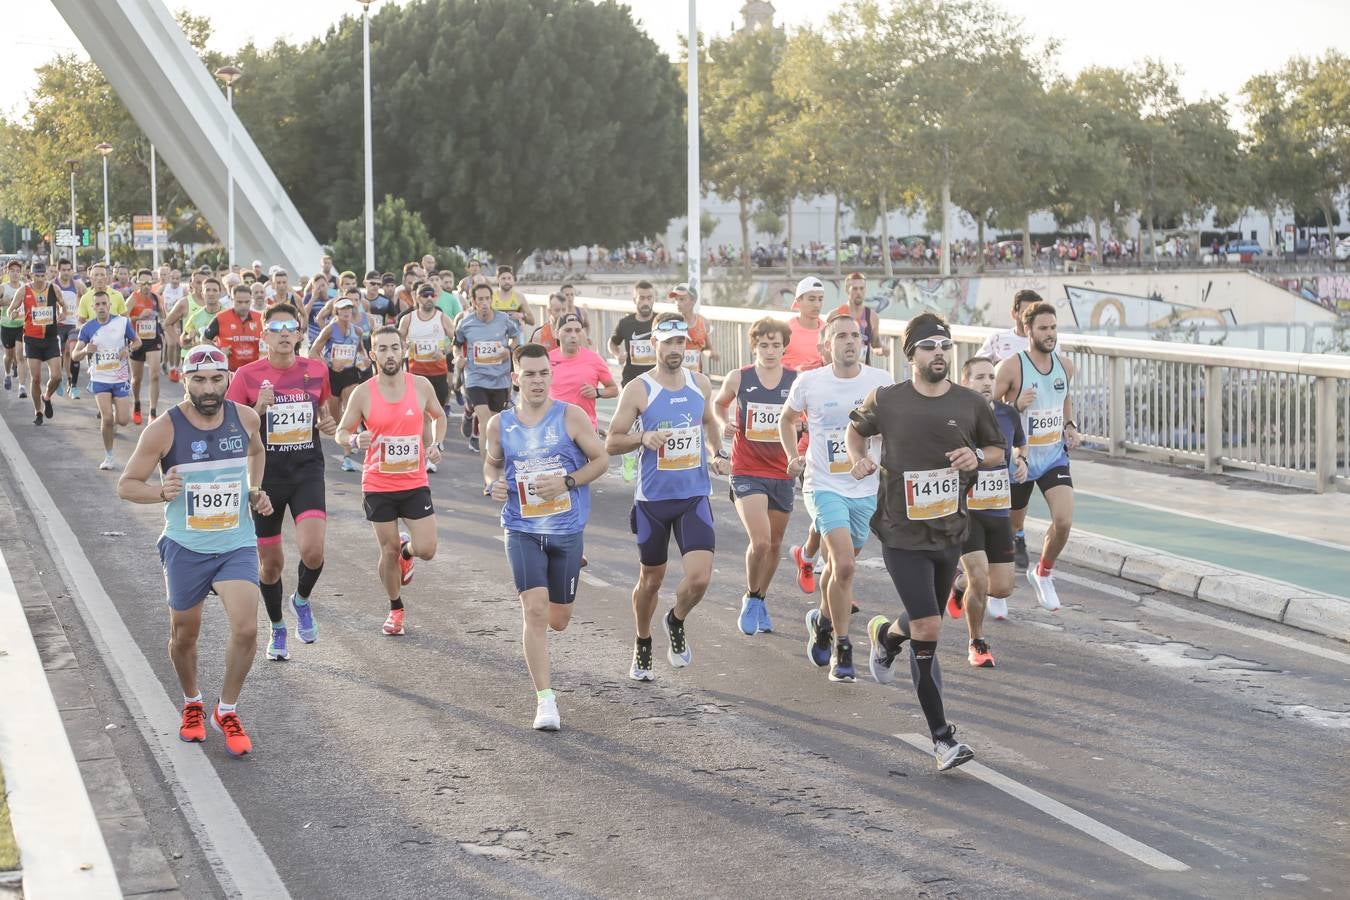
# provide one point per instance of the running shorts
(778, 490)
(829, 511)
(305, 499)
(545, 560)
(41, 349)
(390, 506)
(151, 345)
(495, 399)
(1021, 493)
(189, 575)
(119, 389)
(653, 521)
(922, 578)
(990, 534)
(9, 337)
(339, 381)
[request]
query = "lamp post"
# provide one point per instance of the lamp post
(695, 223)
(75, 245)
(154, 215)
(104, 149)
(229, 75)
(370, 187)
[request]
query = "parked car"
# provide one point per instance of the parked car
(1242, 251)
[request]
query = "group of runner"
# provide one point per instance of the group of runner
(941, 473)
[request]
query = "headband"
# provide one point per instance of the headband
(929, 328)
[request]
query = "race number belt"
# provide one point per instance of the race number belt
(992, 490)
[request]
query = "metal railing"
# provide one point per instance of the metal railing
(1284, 415)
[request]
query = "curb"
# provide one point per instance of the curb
(1266, 598)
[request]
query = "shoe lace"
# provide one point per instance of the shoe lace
(229, 723)
(844, 653)
(677, 637)
(979, 645)
(192, 716)
(644, 656)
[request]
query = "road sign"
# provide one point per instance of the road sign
(145, 233)
(65, 238)
(85, 237)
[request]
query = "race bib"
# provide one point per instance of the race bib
(682, 450)
(401, 455)
(344, 354)
(761, 422)
(425, 350)
(531, 505)
(836, 450)
(1045, 427)
(107, 362)
(43, 315)
(693, 359)
(992, 490)
(290, 424)
(214, 506)
(146, 329)
(931, 493)
(641, 352)
(489, 353)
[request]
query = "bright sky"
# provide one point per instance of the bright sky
(1218, 45)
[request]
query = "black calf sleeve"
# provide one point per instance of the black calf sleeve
(271, 594)
(74, 371)
(923, 668)
(308, 578)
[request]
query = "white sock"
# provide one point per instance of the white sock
(187, 699)
(223, 708)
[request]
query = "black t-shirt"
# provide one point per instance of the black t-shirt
(921, 501)
(636, 339)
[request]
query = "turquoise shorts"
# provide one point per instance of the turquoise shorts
(829, 511)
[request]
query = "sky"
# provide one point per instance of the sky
(1218, 45)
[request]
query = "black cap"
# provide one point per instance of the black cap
(39, 267)
(426, 290)
(389, 279)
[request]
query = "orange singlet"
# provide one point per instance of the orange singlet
(396, 459)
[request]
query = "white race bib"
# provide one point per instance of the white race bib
(682, 450)
(761, 422)
(214, 506)
(488, 353)
(531, 506)
(290, 424)
(992, 490)
(107, 362)
(836, 450)
(641, 352)
(400, 455)
(145, 329)
(693, 359)
(426, 350)
(43, 315)
(932, 493)
(1045, 427)
(344, 354)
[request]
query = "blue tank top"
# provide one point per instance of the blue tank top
(679, 469)
(542, 449)
(336, 337)
(211, 515)
(1043, 420)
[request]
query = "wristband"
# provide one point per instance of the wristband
(352, 441)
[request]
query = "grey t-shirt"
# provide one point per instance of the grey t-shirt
(486, 349)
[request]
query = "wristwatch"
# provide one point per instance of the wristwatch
(979, 454)
(570, 482)
(723, 454)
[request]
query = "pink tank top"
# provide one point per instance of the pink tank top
(396, 459)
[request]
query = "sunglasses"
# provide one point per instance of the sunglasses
(933, 344)
(282, 326)
(673, 326)
(204, 358)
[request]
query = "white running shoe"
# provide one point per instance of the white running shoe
(107, 463)
(998, 607)
(1044, 586)
(546, 715)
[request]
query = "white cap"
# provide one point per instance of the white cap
(807, 284)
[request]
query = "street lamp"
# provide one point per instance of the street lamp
(370, 187)
(104, 149)
(75, 245)
(154, 215)
(692, 202)
(229, 75)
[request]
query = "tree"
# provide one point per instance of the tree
(400, 236)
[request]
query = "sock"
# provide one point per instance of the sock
(136, 407)
(674, 619)
(923, 668)
(308, 578)
(644, 642)
(809, 557)
(892, 637)
(825, 623)
(196, 699)
(396, 603)
(222, 708)
(405, 551)
(271, 594)
(1043, 568)
(545, 694)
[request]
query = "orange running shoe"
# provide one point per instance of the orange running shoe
(980, 657)
(394, 624)
(405, 561)
(806, 571)
(954, 604)
(236, 741)
(173, 374)
(136, 417)
(193, 729)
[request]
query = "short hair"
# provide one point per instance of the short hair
(505, 270)
(643, 285)
(211, 279)
(352, 290)
(103, 294)
(565, 286)
(530, 351)
(385, 329)
(855, 276)
(481, 285)
(769, 326)
(243, 289)
(99, 265)
(446, 273)
(1029, 314)
(557, 295)
(1027, 295)
(974, 361)
(281, 309)
(836, 315)
(474, 261)
(409, 268)
(61, 262)
(139, 272)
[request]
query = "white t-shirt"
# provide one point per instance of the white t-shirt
(1003, 344)
(171, 294)
(106, 364)
(827, 401)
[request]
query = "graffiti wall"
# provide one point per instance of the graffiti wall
(1328, 291)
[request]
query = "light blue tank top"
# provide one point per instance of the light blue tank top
(336, 336)
(679, 470)
(212, 514)
(1043, 420)
(542, 449)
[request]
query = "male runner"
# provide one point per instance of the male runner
(578, 374)
(11, 327)
(855, 286)
(840, 506)
(210, 453)
(700, 331)
(98, 281)
(446, 301)
(484, 340)
(802, 354)
(237, 331)
(340, 346)
(145, 311)
(40, 306)
(556, 308)
(1044, 375)
(934, 435)
(506, 299)
(403, 422)
(289, 393)
(760, 488)
(987, 553)
(677, 437)
(71, 288)
(426, 335)
(110, 340)
(538, 459)
(193, 316)
(632, 345)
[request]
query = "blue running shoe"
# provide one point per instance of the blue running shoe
(817, 640)
(305, 627)
(61, 389)
(74, 392)
(276, 647)
(749, 619)
(841, 662)
(348, 465)
(763, 624)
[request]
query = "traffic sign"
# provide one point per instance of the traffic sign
(65, 238)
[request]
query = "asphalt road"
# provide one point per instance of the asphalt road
(406, 767)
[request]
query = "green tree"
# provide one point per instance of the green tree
(400, 236)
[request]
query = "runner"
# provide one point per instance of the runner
(700, 332)
(506, 299)
(802, 354)
(71, 288)
(1038, 380)
(289, 393)
(40, 306)
(237, 331)
(840, 506)
(855, 286)
(145, 311)
(98, 281)
(760, 488)
(569, 293)
(987, 553)
(484, 340)
(210, 453)
(631, 344)
(340, 345)
(446, 301)
(934, 435)
(465, 286)
(110, 340)
(578, 374)
(677, 437)
(11, 326)
(557, 308)
(539, 458)
(404, 422)
(193, 316)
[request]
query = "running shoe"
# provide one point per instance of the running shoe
(466, 423)
(980, 657)
(193, 729)
(236, 741)
(841, 662)
(107, 463)
(642, 662)
(806, 571)
(37, 419)
(306, 629)
(348, 465)
(880, 661)
(546, 715)
(9, 381)
(75, 392)
(394, 623)
(61, 389)
(765, 624)
(1044, 586)
(173, 374)
(23, 392)
(474, 445)
(954, 604)
(431, 467)
(136, 417)
(950, 752)
(1020, 552)
(818, 639)
(47, 409)
(629, 466)
(679, 654)
(276, 647)
(405, 560)
(998, 607)
(748, 622)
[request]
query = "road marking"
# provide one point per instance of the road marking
(233, 851)
(1053, 808)
(588, 578)
(1187, 615)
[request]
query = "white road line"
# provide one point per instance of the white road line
(231, 848)
(1053, 808)
(588, 578)
(1186, 615)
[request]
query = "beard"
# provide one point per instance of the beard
(1046, 346)
(206, 404)
(391, 366)
(934, 372)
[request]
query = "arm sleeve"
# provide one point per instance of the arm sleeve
(212, 331)
(866, 419)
